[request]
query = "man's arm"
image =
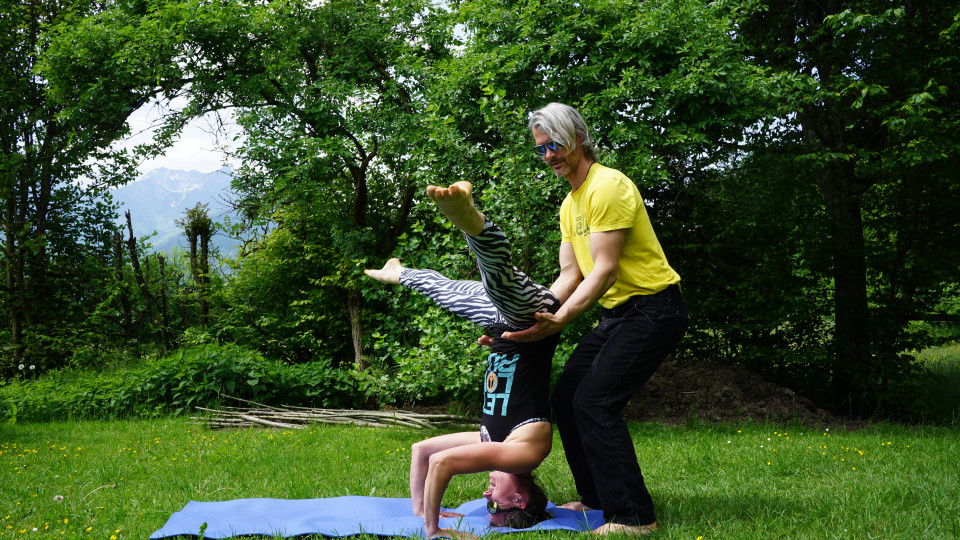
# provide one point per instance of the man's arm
(605, 249)
(570, 276)
(562, 288)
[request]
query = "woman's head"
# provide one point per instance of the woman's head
(515, 500)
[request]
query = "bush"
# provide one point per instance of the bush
(176, 384)
(444, 365)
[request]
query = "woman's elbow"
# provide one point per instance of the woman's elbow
(419, 452)
(439, 464)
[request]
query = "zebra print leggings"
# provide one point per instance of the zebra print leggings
(504, 296)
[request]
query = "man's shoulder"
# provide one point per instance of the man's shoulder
(609, 174)
(612, 182)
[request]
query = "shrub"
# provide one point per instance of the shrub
(444, 365)
(177, 384)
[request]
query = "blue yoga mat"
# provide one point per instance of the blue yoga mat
(343, 516)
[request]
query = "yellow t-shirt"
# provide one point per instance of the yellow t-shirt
(609, 201)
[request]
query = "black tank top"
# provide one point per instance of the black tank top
(516, 385)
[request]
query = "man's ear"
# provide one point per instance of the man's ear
(520, 501)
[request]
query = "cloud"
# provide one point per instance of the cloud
(199, 147)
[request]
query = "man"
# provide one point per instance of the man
(608, 254)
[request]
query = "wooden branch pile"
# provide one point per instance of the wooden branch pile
(287, 417)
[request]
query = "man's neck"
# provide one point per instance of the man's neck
(579, 175)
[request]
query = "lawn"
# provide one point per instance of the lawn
(123, 479)
(941, 393)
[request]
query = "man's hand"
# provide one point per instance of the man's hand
(485, 340)
(547, 324)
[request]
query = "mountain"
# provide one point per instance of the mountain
(161, 197)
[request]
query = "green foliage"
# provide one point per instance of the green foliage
(938, 397)
(56, 227)
(798, 161)
(445, 363)
(865, 122)
(176, 384)
(273, 304)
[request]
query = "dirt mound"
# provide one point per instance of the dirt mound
(681, 391)
(713, 393)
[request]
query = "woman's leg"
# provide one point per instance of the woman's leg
(517, 297)
(466, 299)
(506, 296)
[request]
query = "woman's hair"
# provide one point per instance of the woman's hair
(535, 510)
(564, 124)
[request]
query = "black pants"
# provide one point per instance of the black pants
(609, 365)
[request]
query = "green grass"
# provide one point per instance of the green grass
(123, 479)
(940, 396)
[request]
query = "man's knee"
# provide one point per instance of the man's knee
(586, 409)
(560, 402)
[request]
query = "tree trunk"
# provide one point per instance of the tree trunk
(137, 272)
(851, 310)
(354, 307)
(13, 301)
(191, 233)
(165, 330)
(127, 322)
(204, 276)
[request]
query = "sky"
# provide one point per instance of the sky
(196, 150)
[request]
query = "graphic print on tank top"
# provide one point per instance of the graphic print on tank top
(498, 383)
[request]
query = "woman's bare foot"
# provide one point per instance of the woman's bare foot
(456, 202)
(620, 528)
(390, 273)
(577, 506)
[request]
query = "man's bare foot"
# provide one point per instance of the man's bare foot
(577, 506)
(390, 273)
(620, 528)
(456, 202)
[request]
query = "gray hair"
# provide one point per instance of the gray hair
(564, 124)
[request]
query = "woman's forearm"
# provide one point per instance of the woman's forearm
(418, 475)
(437, 479)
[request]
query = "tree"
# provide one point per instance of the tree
(327, 97)
(197, 227)
(665, 90)
(866, 113)
(54, 224)
(327, 93)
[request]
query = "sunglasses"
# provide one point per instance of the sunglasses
(541, 149)
(493, 507)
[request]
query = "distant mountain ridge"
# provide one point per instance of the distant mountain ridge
(160, 198)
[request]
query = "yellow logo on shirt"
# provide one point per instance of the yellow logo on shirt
(491, 381)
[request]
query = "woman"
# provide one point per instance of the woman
(515, 433)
